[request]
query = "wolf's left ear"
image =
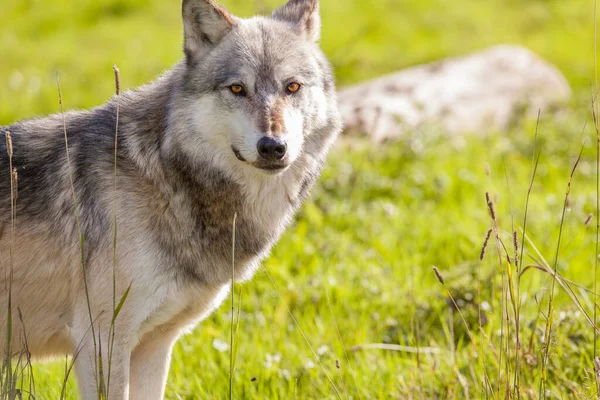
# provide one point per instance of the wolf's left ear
(204, 25)
(304, 15)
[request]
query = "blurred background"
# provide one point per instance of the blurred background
(355, 268)
(82, 39)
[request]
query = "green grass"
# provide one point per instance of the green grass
(380, 218)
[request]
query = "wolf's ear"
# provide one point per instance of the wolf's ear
(304, 15)
(204, 25)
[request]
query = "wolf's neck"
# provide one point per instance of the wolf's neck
(201, 202)
(144, 116)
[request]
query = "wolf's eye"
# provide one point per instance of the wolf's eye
(293, 87)
(238, 90)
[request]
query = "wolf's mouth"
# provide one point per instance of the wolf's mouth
(268, 167)
(238, 155)
(271, 169)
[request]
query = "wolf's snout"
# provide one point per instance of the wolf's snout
(271, 149)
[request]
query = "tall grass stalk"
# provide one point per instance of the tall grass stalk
(514, 293)
(79, 232)
(549, 315)
(13, 376)
(28, 365)
(231, 356)
(114, 266)
(508, 292)
(479, 316)
(8, 369)
(234, 342)
(535, 159)
(595, 113)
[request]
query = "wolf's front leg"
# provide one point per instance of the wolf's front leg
(103, 365)
(150, 365)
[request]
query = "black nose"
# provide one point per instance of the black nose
(271, 148)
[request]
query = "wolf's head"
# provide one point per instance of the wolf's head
(254, 91)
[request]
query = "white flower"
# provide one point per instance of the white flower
(485, 306)
(322, 350)
(272, 359)
(286, 374)
(220, 345)
(562, 315)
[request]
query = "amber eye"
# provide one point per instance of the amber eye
(238, 90)
(293, 87)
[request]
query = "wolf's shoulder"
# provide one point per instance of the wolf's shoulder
(97, 121)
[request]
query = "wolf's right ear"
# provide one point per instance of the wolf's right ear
(304, 16)
(204, 25)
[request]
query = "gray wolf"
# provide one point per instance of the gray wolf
(242, 125)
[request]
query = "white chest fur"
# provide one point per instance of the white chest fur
(180, 309)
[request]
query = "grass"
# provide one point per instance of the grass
(359, 256)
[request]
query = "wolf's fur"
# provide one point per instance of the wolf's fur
(187, 161)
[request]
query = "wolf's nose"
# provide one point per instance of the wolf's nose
(271, 148)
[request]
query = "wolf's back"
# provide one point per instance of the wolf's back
(41, 175)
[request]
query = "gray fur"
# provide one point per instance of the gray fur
(179, 183)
